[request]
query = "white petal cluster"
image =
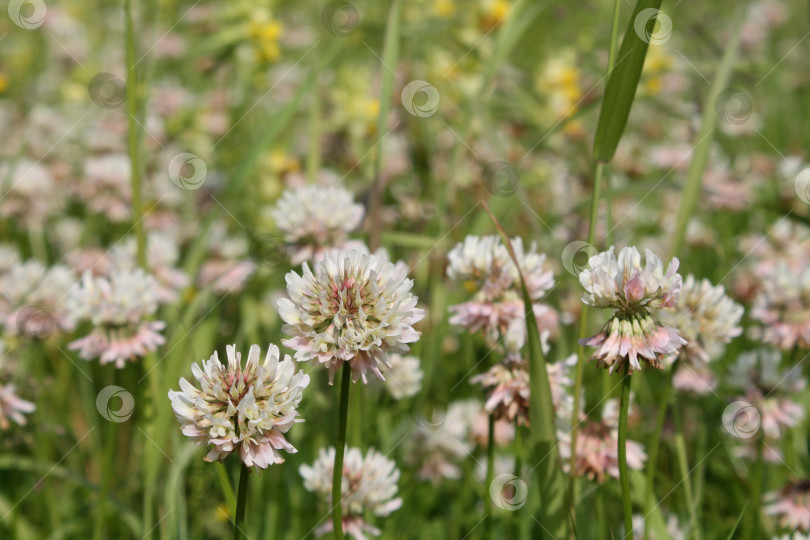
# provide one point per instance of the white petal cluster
(705, 316)
(355, 307)
(369, 484)
(13, 407)
(126, 297)
(484, 264)
(31, 289)
(405, 378)
(246, 410)
(316, 218)
(624, 284)
(118, 307)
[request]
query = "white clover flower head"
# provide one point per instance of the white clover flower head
(790, 506)
(484, 265)
(624, 284)
(405, 378)
(315, 218)
(706, 317)
(782, 306)
(355, 307)
(162, 255)
(241, 409)
(438, 442)
(368, 484)
(597, 452)
(13, 407)
(118, 308)
(635, 292)
(769, 387)
(30, 285)
(508, 391)
(106, 185)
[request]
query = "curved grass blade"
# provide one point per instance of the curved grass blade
(623, 82)
(553, 515)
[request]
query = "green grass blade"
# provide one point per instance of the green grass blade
(553, 513)
(389, 61)
(705, 137)
(622, 85)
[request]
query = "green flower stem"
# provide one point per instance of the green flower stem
(241, 503)
(655, 443)
(337, 473)
(624, 477)
(756, 488)
(583, 329)
(490, 474)
(683, 465)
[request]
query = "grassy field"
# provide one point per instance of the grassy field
(573, 238)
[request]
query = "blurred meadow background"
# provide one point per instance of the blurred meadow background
(158, 152)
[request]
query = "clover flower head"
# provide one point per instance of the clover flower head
(241, 409)
(355, 307)
(368, 484)
(314, 219)
(635, 292)
(118, 307)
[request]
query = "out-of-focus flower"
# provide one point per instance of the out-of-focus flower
(674, 530)
(227, 268)
(483, 264)
(768, 388)
(29, 193)
(246, 410)
(405, 378)
(442, 439)
(105, 186)
(368, 484)
(264, 35)
(485, 268)
(30, 287)
(636, 293)
(791, 506)
(783, 307)
(13, 407)
(354, 308)
(705, 316)
(162, 255)
(508, 386)
(118, 308)
(559, 82)
(708, 319)
(597, 452)
(314, 219)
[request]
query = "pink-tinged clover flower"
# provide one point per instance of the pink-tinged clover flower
(314, 219)
(635, 292)
(242, 409)
(355, 307)
(369, 484)
(790, 506)
(118, 307)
